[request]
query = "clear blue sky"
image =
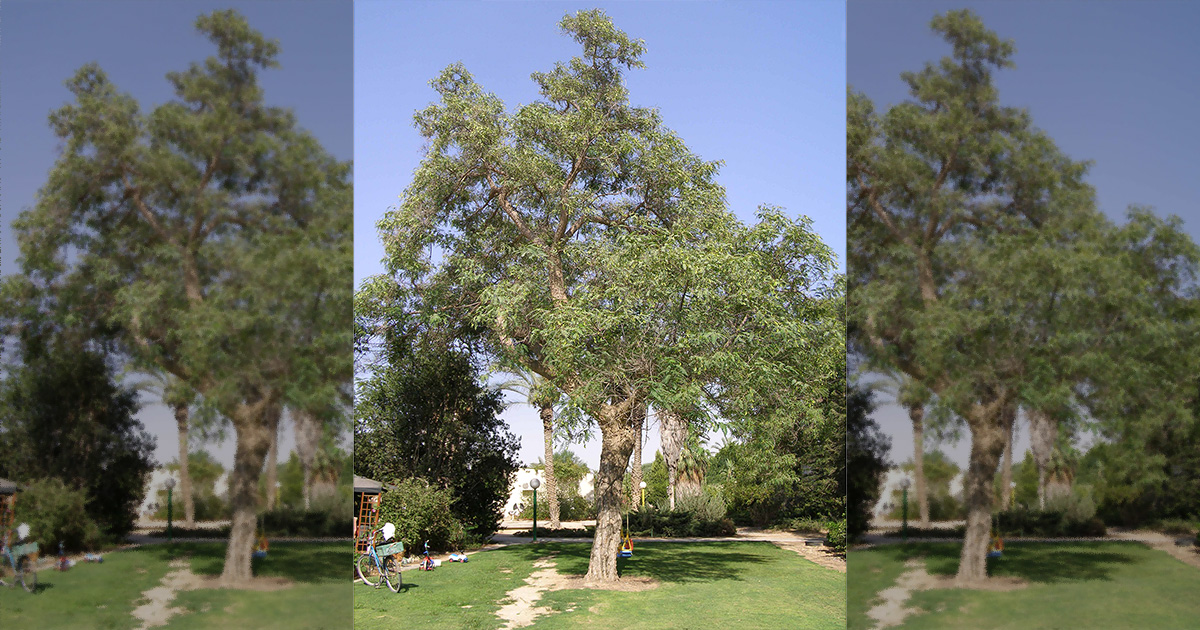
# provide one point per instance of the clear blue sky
(758, 85)
(1112, 82)
(137, 43)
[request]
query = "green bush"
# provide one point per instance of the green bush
(705, 504)
(1176, 527)
(56, 513)
(421, 512)
(809, 525)
(836, 537)
(1050, 524)
(676, 524)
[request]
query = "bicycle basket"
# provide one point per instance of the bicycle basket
(23, 550)
(390, 549)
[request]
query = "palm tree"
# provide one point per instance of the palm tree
(542, 395)
(179, 397)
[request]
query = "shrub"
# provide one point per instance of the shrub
(1051, 524)
(56, 513)
(808, 525)
(1176, 527)
(704, 504)
(836, 537)
(421, 512)
(677, 524)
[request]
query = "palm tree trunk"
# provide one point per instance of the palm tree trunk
(916, 413)
(635, 474)
(1006, 492)
(547, 413)
(673, 429)
(185, 480)
(272, 469)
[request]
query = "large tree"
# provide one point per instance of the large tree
(577, 232)
(64, 415)
(978, 257)
(214, 234)
(424, 413)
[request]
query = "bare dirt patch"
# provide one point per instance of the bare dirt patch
(156, 610)
(1162, 542)
(822, 556)
(891, 611)
(522, 610)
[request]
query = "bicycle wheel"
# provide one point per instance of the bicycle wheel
(367, 570)
(27, 574)
(391, 575)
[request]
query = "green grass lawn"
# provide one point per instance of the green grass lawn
(103, 596)
(703, 585)
(1071, 585)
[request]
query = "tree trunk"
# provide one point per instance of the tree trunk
(673, 429)
(1043, 432)
(308, 437)
(635, 474)
(617, 434)
(1006, 491)
(916, 413)
(988, 425)
(547, 413)
(273, 469)
(253, 423)
(185, 480)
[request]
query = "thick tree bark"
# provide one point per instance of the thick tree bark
(547, 413)
(185, 480)
(988, 426)
(916, 413)
(635, 464)
(254, 422)
(617, 434)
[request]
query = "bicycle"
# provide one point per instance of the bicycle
(377, 564)
(22, 560)
(427, 563)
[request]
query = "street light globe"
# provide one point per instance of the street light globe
(905, 483)
(535, 483)
(643, 485)
(170, 483)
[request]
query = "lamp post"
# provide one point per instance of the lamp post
(643, 485)
(534, 483)
(170, 486)
(904, 484)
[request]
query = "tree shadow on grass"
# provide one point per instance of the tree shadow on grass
(677, 563)
(299, 562)
(1040, 563)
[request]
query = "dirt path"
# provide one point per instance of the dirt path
(891, 610)
(1185, 553)
(157, 611)
(817, 554)
(523, 609)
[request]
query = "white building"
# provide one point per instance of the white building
(520, 485)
